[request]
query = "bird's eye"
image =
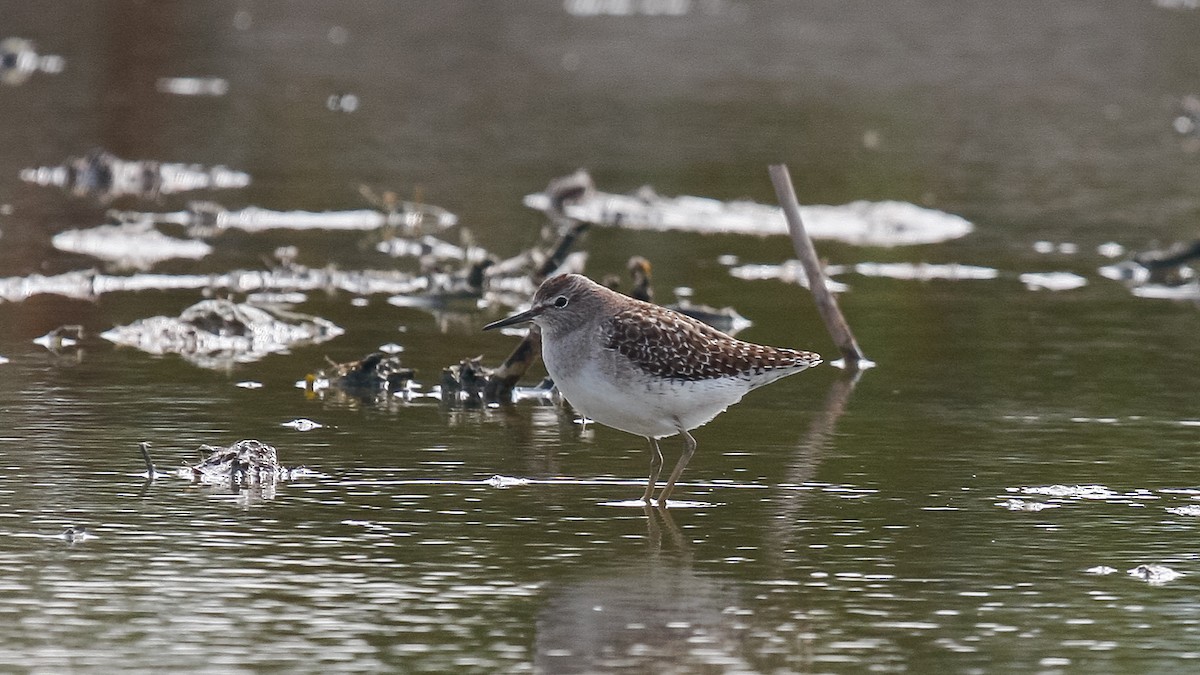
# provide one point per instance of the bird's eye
(561, 301)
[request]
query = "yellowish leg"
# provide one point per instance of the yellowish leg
(689, 448)
(656, 462)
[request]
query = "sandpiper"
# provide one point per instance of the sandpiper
(645, 369)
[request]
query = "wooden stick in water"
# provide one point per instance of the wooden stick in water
(145, 447)
(827, 304)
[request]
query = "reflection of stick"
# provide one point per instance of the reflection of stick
(827, 305)
(803, 468)
(145, 448)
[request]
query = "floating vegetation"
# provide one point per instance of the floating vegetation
(921, 271)
(590, 8)
(303, 424)
(220, 333)
(1100, 492)
(425, 247)
(246, 462)
(90, 284)
(1189, 291)
(790, 271)
(1154, 574)
(19, 59)
(104, 175)
(193, 86)
(129, 245)
(76, 534)
(504, 482)
(863, 223)
(344, 103)
(1052, 281)
(1065, 247)
(1023, 505)
(206, 219)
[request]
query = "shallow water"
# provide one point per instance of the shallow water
(826, 525)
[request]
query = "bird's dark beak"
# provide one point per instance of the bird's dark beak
(519, 317)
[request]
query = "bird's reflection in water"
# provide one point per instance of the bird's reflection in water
(660, 613)
(647, 616)
(654, 532)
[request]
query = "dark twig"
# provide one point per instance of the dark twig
(500, 383)
(499, 386)
(827, 304)
(558, 253)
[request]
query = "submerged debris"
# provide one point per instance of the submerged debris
(129, 245)
(219, 333)
(519, 276)
(63, 337)
(466, 380)
(1166, 274)
(573, 188)
(246, 462)
(438, 289)
(102, 174)
(725, 319)
(1165, 267)
(376, 374)
(19, 59)
(887, 223)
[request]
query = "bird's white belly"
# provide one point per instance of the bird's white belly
(644, 405)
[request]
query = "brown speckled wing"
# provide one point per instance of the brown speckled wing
(668, 344)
